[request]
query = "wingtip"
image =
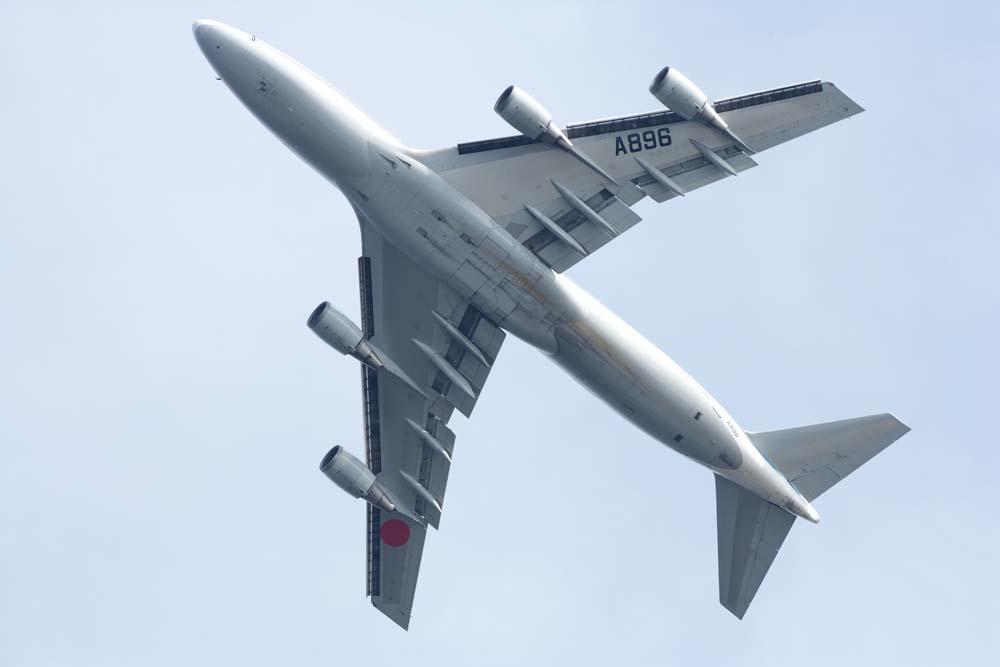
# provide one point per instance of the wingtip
(904, 427)
(735, 611)
(395, 614)
(853, 108)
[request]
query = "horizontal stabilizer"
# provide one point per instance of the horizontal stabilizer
(816, 457)
(751, 530)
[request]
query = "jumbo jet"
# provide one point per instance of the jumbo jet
(463, 245)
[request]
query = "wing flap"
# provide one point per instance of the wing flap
(693, 173)
(487, 339)
(560, 256)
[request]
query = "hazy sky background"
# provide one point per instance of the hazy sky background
(164, 407)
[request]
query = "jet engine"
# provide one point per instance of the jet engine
(526, 115)
(343, 335)
(688, 101)
(355, 477)
(339, 332)
(678, 92)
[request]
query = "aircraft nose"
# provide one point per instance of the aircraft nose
(201, 29)
(223, 46)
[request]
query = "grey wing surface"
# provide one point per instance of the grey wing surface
(658, 155)
(750, 532)
(813, 458)
(445, 348)
(816, 457)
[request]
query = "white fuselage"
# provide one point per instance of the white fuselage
(441, 229)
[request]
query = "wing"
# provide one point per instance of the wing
(659, 155)
(750, 532)
(816, 457)
(445, 348)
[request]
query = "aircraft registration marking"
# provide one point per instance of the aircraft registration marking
(638, 141)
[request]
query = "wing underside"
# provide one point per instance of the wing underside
(445, 347)
(658, 155)
(750, 532)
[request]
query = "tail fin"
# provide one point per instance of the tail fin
(816, 457)
(813, 458)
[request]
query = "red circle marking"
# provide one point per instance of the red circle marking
(395, 533)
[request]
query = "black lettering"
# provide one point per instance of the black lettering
(647, 140)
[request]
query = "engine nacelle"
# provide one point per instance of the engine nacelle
(679, 93)
(339, 332)
(688, 101)
(526, 115)
(355, 478)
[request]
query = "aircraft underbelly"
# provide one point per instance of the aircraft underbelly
(459, 244)
(455, 241)
(643, 384)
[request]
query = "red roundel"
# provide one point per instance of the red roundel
(395, 533)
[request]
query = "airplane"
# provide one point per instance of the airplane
(465, 244)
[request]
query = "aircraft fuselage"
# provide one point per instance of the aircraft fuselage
(457, 242)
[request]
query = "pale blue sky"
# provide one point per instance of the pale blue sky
(164, 407)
